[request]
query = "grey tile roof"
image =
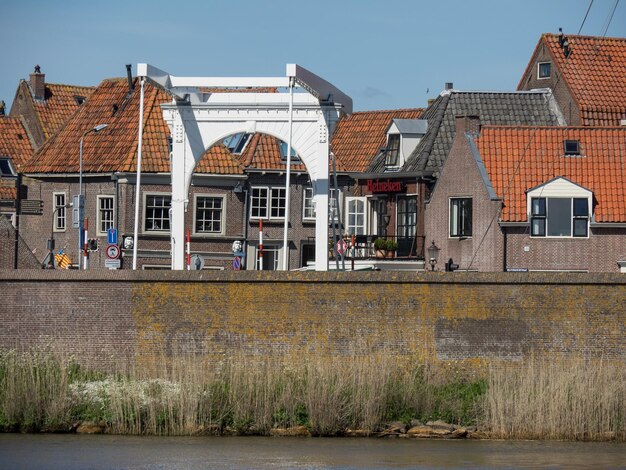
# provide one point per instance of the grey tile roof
(532, 108)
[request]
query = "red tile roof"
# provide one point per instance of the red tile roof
(359, 136)
(263, 153)
(520, 158)
(7, 192)
(14, 141)
(114, 149)
(60, 103)
(595, 73)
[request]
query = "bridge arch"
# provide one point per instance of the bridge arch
(198, 120)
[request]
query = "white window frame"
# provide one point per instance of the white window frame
(99, 214)
(457, 234)
(539, 64)
(270, 197)
(61, 213)
(546, 217)
(10, 166)
(145, 201)
(359, 229)
(308, 204)
(222, 221)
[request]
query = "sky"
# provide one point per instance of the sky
(385, 54)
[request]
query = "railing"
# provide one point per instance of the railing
(365, 247)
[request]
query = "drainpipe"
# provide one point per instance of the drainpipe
(245, 222)
(504, 260)
(18, 209)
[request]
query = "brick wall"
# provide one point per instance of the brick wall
(555, 82)
(475, 317)
(460, 178)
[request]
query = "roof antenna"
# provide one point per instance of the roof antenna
(129, 74)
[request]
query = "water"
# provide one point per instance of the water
(69, 452)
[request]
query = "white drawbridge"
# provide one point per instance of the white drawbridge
(198, 119)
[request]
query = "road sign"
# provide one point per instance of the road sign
(196, 262)
(112, 263)
(342, 246)
(113, 252)
(237, 263)
(112, 236)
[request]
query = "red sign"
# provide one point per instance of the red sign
(376, 186)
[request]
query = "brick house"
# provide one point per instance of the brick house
(586, 74)
(45, 107)
(109, 175)
(383, 204)
(434, 134)
(531, 199)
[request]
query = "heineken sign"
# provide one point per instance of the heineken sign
(377, 186)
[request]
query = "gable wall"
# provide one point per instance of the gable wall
(559, 88)
(460, 177)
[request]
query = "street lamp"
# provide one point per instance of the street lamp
(81, 203)
(50, 263)
(433, 254)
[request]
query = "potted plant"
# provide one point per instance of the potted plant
(391, 247)
(380, 245)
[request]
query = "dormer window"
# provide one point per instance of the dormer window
(237, 142)
(6, 167)
(392, 151)
(559, 217)
(295, 159)
(544, 69)
(79, 99)
(572, 147)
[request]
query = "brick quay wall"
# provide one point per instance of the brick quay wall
(119, 316)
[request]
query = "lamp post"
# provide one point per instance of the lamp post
(433, 254)
(81, 203)
(51, 241)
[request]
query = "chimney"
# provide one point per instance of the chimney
(449, 86)
(129, 74)
(38, 84)
(467, 124)
(2, 108)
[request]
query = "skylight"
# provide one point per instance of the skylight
(237, 142)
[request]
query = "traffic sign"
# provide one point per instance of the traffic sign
(112, 263)
(237, 263)
(196, 262)
(113, 252)
(341, 246)
(112, 236)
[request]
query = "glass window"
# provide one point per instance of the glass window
(270, 258)
(6, 167)
(572, 147)
(295, 159)
(258, 203)
(106, 213)
(277, 203)
(355, 216)
(60, 214)
(157, 213)
(237, 142)
(559, 217)
(544, 69)
(209, 211)
(461, 217)
(267, 203)
(308, 210)
(393, 150)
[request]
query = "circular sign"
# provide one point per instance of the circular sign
(113, 251)
(196, 262)
(342, 246)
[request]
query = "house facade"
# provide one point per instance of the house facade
(517, 198)
(587, 75)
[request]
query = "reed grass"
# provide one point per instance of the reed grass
(571, 399)
(328, 395)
